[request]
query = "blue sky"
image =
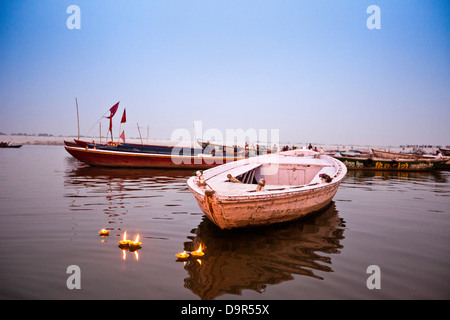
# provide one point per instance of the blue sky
(311, 69)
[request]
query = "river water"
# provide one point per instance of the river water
(52, 207)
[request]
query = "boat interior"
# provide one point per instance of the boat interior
(276, 176)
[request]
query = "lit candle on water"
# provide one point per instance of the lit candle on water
(135, 245)
(124, 243)
(199, 252)
(104, 232)
(182, 255)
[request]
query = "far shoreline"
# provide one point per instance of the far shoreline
(59, 141)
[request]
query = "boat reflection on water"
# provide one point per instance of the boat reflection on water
(116, 191)
(79, 173)
(84, 182)
(241, 259)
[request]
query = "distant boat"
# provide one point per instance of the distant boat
(394, 155)
(390, 161)
(70, 143)
(77, 143)
(144, 148)
(247, 149)
(445, 151)
(353, 153)
(124, 147)
(9, 145)
(267, 189)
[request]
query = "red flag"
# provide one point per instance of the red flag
(113, 110)
(122, 136)
(124, 117)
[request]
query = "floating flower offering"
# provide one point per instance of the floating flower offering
(182, 255)
(104, 232)
(199, 252)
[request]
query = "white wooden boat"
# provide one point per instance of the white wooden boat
(267, 189)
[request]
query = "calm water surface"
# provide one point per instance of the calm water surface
(52, 207)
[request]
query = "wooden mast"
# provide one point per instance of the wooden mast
(140, 133)
(78, 119)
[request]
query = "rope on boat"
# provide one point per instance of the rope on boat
(261, 185)
(202, 184)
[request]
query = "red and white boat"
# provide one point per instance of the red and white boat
(177, 159)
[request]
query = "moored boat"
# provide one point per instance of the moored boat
(246, 150)
(445, 151)
(70, 143)
(144, 148)
(353, 153)
(122, 154)
(80, 143)
(394, 155)
(395, 164)
(178, 159)
(267, 189)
